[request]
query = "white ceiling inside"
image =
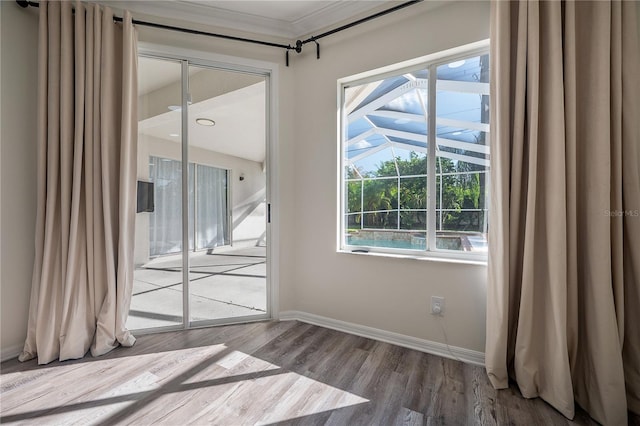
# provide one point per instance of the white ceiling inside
(240, 124)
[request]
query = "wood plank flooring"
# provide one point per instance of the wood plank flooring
(263, 373)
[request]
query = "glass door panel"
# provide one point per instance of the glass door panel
(157, 299)
(227, 148)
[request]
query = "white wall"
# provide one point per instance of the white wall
(386, 293)
(18, 51)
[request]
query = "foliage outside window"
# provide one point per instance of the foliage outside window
(415, 159)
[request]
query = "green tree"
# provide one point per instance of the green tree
(460, 190)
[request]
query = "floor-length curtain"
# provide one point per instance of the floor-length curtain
(563, 311)
(87, 130)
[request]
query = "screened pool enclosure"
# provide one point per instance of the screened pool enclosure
(415, 156)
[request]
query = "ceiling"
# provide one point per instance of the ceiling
(239, 130)
(286, 19)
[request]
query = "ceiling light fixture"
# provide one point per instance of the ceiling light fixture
(205, 122)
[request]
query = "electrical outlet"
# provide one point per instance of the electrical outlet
(437, 305)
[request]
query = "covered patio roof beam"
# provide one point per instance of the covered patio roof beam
(360, 93)
(397, 115)
(450, 143)
(381, 101)
(367, 153)
(466, 146)
(420, 118)
(461, 124)
(362, 136)
(450, 155)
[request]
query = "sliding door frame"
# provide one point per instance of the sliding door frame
(269, 71)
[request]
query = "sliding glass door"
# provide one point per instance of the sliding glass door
(201, 226)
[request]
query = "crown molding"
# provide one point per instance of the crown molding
(206, 13)
(332, 14)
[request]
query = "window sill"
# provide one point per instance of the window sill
(430, 257)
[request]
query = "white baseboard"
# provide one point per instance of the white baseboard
(10, 353)
(435, 348)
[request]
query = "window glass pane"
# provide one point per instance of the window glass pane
(462, 163)
(385, 152)
(227, 125)
(157, 292)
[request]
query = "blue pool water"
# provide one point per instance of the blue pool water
(416, 243)
(400, 244)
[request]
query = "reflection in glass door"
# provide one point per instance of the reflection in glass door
(202, 185)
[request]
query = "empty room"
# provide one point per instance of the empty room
(344, 212)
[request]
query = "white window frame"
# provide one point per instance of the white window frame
(430, 62)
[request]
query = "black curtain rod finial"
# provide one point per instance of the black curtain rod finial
(23, 3)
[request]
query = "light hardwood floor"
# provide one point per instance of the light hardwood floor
(263, 373)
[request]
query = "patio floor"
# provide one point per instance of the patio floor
(223, 284)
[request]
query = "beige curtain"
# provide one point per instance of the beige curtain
(563, 311)
(87, 132)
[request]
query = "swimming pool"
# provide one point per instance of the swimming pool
(415, 243)
(401, 244)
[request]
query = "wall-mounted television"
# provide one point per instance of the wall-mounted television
(145, 197)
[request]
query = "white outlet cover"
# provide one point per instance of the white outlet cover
(437, 302)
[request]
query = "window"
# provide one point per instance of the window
(415, 159)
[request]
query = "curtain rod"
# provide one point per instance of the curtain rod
(288, 47)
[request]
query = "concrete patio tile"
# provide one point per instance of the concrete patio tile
(223, 285)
